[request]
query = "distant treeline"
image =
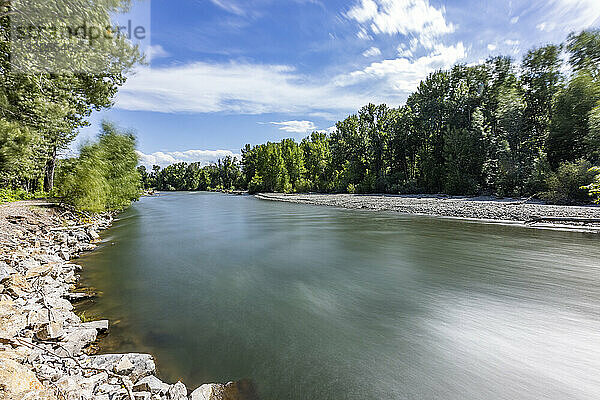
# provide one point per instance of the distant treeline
(495, 128)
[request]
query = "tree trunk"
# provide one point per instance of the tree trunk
(49, 171)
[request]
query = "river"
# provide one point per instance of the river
(316, 303)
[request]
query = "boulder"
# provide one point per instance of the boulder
(17, 286)
(6, 272)
(151, 384)
(18, 383)
(49, 331)
(74, 341)
(40, 270)
(124, 367)
(100, 326)
(177, 391)
(93, 234)
(12, 320)
(143, 364)
(242, 390)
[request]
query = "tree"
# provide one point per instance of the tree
(584, 51)
(569, 128)
(540, 80)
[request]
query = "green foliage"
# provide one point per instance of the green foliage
(594, 187)
(104, 176)
(567, 184)
(569, 128)
(10, 195)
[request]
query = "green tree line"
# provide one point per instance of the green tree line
(502, 128)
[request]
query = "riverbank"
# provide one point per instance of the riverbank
(46, 350)
(489, 209)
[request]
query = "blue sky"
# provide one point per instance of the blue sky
(229, 72)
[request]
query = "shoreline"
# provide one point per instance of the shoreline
(481, 209)
(46, 350)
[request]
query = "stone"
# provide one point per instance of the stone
(142, 396)
(17, 286)
(242, 390)
(100, 326)
(93, 234)
(12, 320)
(151, 384)
(64, 254)
(49, 331)
(6, 272)
(143, 364)
(177, 391)
(17, 382)
(74, 341)
(124, 367)
(40, 270)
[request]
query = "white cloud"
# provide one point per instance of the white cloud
(569, 15)
(404, 52)
(492, 47)
(514, 20)
(372, 52)
(404, 17)
(229, 6)
(403, 75)
(510, 42)
(156, 51)
(363, 35)
(205, 157)
(233, 88)
(296, 126)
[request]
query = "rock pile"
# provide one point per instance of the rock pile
(43, 343)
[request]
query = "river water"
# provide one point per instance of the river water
(318, 303)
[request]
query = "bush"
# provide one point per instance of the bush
(10, 195)
(104, 177)
(566, 185)
(594, 188)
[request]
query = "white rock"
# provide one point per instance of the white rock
(177, 391)
(143, 364)
(151, 384)
(49, 331)
(124, 367)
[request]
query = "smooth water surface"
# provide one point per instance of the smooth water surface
(320, 303)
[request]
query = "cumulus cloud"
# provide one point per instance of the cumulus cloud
(417, 17)
(296, 126)
(492, 47)
(233, 88)
(163, 159)
(372, 52)
(402, 74)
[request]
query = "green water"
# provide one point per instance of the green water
(320, 303)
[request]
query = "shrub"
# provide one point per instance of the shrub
(566, 185)
(104, 177)
(594, 188)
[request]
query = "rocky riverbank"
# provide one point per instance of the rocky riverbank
(530, 212)
(46, 350)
